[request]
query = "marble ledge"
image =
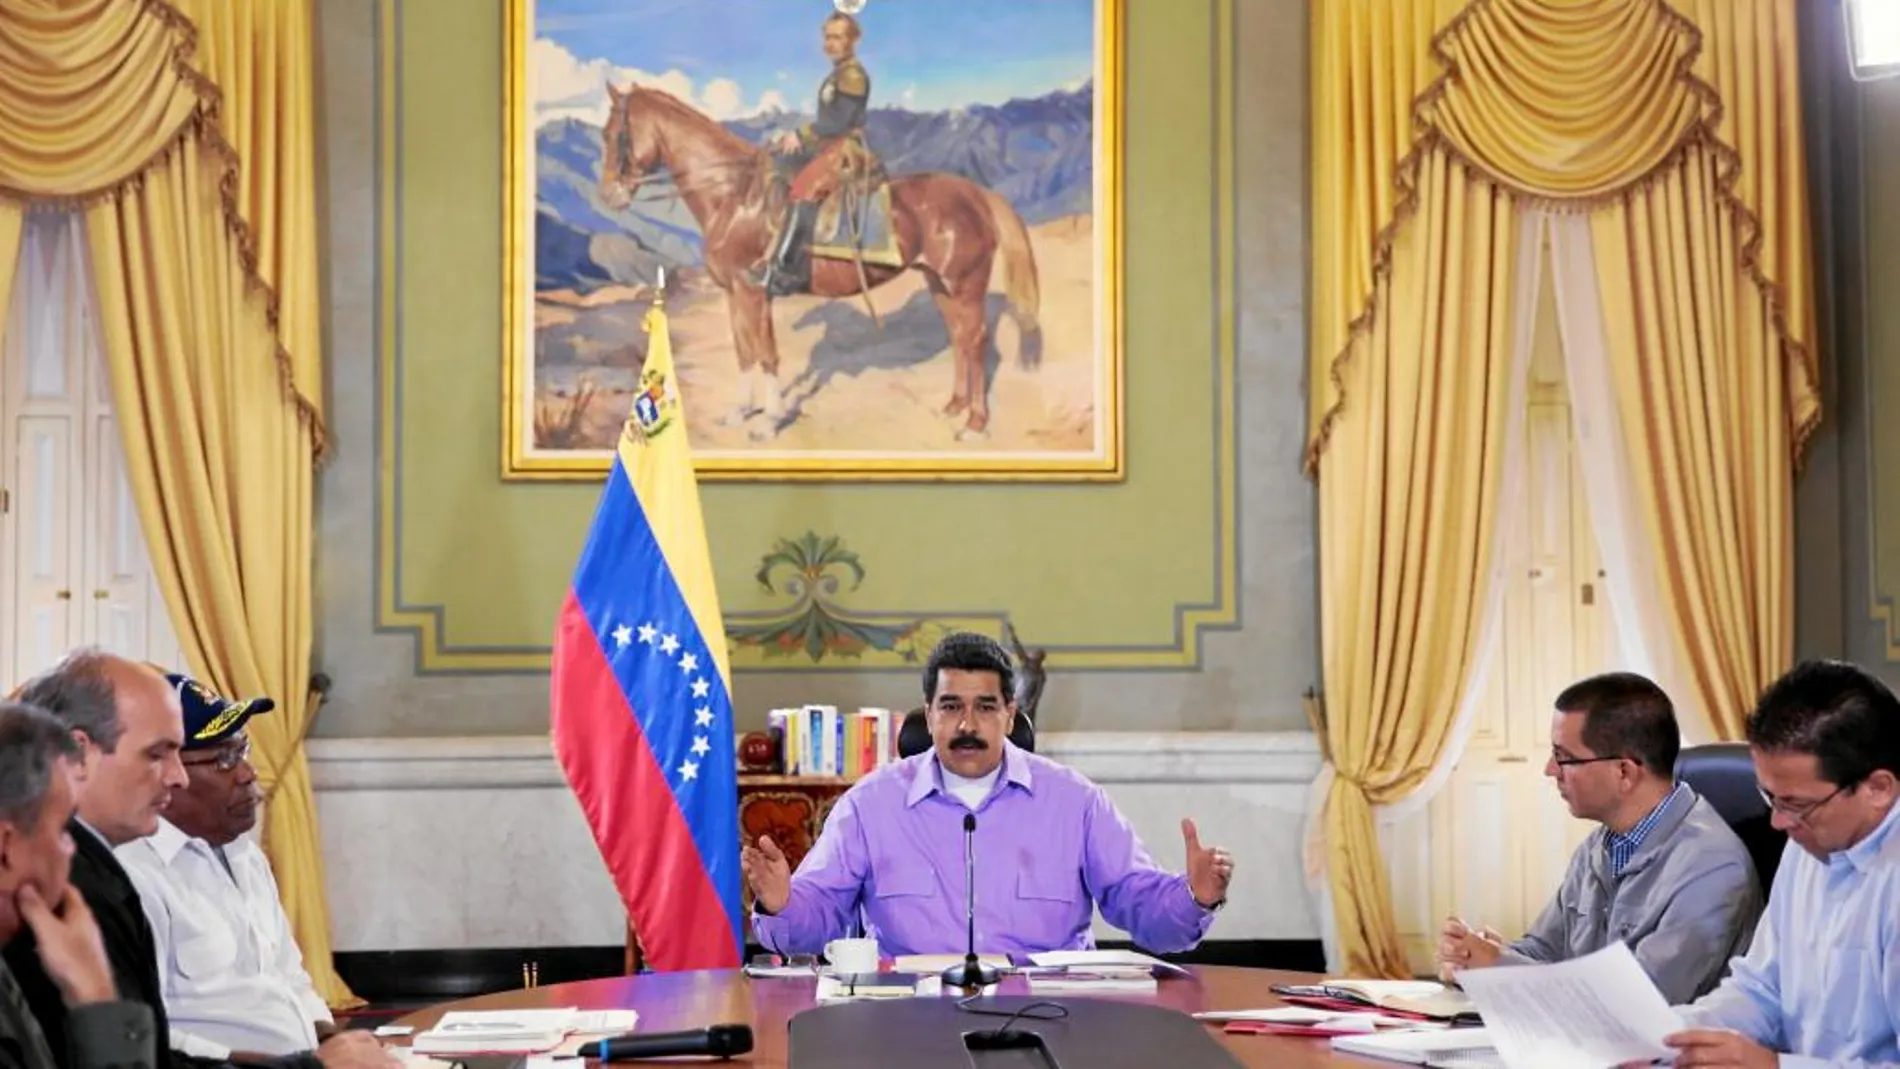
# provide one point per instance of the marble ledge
(1108, 757)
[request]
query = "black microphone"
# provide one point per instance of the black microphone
(720, 1041)
(971, 974)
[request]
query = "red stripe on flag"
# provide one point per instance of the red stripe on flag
(642, 834)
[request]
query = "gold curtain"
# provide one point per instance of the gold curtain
(1676, 128)
(1406, 537)
(186, 134)
(11, 216)
(1707, 290)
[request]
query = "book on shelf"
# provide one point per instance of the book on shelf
(821, 740)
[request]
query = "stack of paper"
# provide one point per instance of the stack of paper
(1100, 979)
(1445, 1048)
(518, 1031)
(1301, 1021)
(1093, 960)
(1424, 1047)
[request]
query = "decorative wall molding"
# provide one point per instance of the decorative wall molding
(1107, 757)
(461, 843)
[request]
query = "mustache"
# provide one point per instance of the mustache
(968, 742)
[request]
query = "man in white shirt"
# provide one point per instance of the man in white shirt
(232, 974)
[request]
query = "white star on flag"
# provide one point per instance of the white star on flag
(700, 746)
(623, 635)
(688, 663)
(700, 687)
(647, 631)
(689, 770)
(702, 717)
(668, 644)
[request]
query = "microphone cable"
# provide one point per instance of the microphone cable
(1051, 1011)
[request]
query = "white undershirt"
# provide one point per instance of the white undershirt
(970, 792)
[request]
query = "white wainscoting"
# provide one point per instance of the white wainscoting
(449, 843)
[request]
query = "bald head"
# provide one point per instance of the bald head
(130, 727)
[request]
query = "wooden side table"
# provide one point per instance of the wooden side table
(791, 809)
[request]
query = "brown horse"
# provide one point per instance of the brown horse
(951, 229)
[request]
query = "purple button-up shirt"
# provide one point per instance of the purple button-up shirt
(1049, 847)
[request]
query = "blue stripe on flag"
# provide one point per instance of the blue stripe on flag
(633, 602)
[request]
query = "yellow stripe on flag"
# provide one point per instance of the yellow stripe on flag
(659, 462)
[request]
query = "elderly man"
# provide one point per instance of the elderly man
(130, 727)
(36, 802)
(233, 978)
(1662, 872)
(1049, 844)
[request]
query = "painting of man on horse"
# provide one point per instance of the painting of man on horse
(828, 151)
(856, 255)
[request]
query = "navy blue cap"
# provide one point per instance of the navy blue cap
(209, 717)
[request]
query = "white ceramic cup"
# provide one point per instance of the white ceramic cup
(852, 955)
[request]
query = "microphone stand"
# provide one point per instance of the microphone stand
(971, 974)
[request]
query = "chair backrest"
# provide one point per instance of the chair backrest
(914, 737)
(1723, 773)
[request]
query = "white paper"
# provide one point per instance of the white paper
(520, 1031)
(505, 1023)
(605, 1022)
(1586, 1013)
(1092, 958)
(1358, 1021)
(1417, 1048)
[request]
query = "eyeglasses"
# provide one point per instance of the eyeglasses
(1798, 810)
(227, 757)
(1564, 761)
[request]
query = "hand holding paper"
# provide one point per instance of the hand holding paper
(1586, 1013)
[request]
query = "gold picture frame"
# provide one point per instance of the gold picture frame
(855, 359)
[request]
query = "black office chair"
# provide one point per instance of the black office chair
(914, 737)
(1722, 773)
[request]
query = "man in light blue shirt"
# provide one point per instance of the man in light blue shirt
(1821, 984)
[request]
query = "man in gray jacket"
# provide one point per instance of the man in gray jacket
(1663, 873)
(103, 1030)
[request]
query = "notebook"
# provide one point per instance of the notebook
(851, 987)
(1426, 998)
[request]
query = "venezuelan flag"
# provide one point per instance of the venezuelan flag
(641, 702)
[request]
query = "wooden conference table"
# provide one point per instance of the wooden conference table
(673, 1002)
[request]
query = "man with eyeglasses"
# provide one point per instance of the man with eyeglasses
(233, 976)
(1821, 984)
(1049, 845)
(128, 722)
(1662, 873)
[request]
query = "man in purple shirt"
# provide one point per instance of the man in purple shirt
(1049, 845)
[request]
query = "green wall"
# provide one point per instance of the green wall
(1180, 598)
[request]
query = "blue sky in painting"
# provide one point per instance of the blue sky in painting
(738, 57)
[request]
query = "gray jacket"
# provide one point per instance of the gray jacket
(1686, 903)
